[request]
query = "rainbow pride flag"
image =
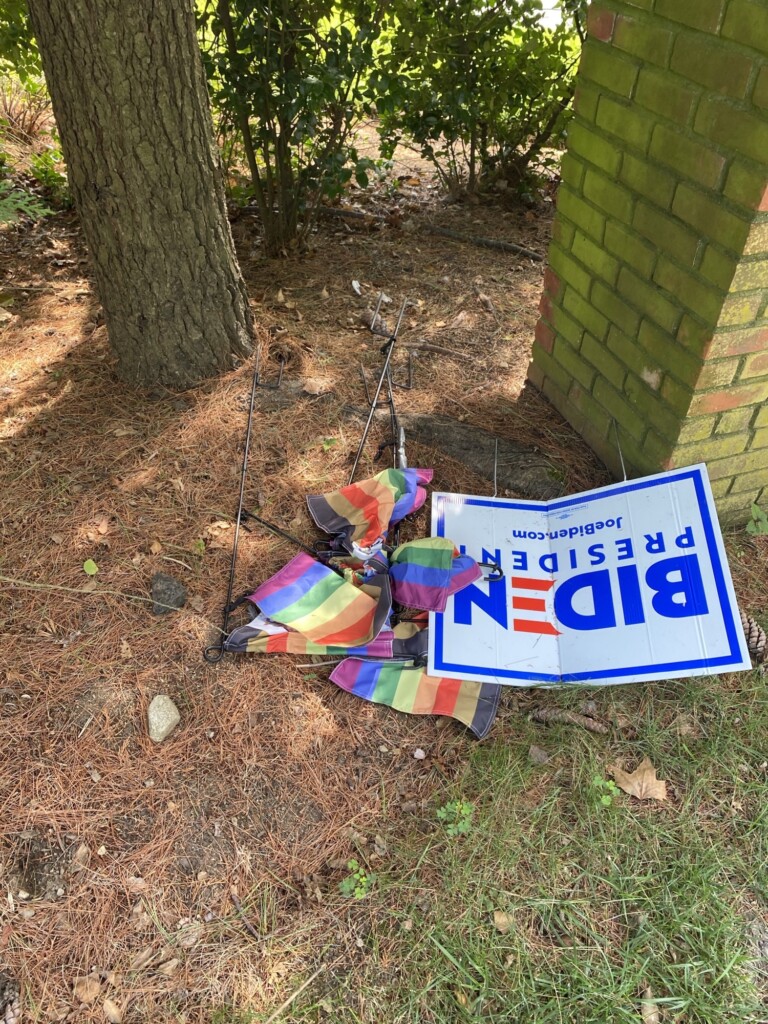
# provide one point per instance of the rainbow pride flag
(426, 572)
(309, 598)
(405, 687)
(360, 514)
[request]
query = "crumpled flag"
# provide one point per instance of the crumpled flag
(426, 572)
(311, 599)
(262, 636)
(360, 514)
(405, 687)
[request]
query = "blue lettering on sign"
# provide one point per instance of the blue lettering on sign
(493, 603)
(602, 616)
(677, 599)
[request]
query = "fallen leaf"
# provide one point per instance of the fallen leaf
(86, 990)
(134, 883)
(125, 650)
(169, 967)
(124, 431)
(102, 851)
(196, 602)
(89, 567)
(356, 288)
(649, 1008)
(324, 294)
(142, 959)
(280, 297)
(155, 547)
(80, 857)
(103, 527)
(89, 586)
(641, 783)
(112, 1012)
(57, 538)
(501, 922)
(190, 934)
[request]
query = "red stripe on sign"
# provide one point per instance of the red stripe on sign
(527, 583)
(534, 626)
(529, 604)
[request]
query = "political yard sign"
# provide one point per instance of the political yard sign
(617, 585)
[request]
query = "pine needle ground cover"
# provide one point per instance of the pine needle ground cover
(291, 853)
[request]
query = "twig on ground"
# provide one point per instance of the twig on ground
(295, 995)
(563, 717)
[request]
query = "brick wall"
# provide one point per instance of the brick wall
(653, 312)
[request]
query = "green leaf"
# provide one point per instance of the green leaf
(89, 567)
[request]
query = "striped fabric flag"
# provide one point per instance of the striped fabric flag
(426, 572)
(254, 639)
(407, 688)
(360, 514)
(311, 599)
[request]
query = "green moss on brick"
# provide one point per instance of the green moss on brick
(709, 217)
(643, 38)
(595, 257)
(620, 408)
(651, 407)
(585, 313)
(733, 128)
(677, 396)
(585, 100)
(666, 233)
(760, 92)
(694, 335)
(695, 294)
(701, 14)
(696, 429)
(608, 196)
(741, 308)
(608, 68)
(718, 267)
(581, 213)
(750, 274)
(760, 440)
(735, 421)
(587, 144)
(666, 95)
(649, 300)
(615, 308)
(706, 451)
(576, 366)
(569, 270)
(747, 22)
(601, 359)
(720, 68)
(631, 249)
(664, 350)
(566, 326)
(691, 159)
(625, 122)
(552, 369)
(757, 241)
(718, 373)
(648, 179)
(572, 170)
(746, 184)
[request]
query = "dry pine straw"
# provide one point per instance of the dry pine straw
(274, 777)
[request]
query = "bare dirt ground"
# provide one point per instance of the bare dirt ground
(120, 858)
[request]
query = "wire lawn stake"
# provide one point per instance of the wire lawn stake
(215, 652)
(384, 376)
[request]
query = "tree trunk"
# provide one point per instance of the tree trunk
(130, 101)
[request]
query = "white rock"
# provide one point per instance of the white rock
(163, 717)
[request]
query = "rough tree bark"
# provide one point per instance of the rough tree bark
(130, 102)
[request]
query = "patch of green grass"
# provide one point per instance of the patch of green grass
(601, 902)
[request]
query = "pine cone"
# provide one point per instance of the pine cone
(755, 634)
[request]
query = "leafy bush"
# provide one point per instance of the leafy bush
(481, 88)
(47, 168)
(25, 109)
(16, 203)
(290, 79)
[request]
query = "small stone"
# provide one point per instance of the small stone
(162, 716)
(538, 755)
(419, 754)
(168, 594)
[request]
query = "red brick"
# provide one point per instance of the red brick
(739, 343)
(552, 284)
(755, 365)
(535, 375)
(719, 401)
(545, 336)
(545, 306)
(600, 24)
(762, 206)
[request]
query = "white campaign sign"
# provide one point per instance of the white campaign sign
(617, 585)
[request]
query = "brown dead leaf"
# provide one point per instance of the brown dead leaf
(125, 650)
(57, 538)
(649, 1008)
(86, 990)
(112, 1012)
(196, 602)
(155, 547)
(142, 959)
(103, 526)
(502, 922)
(81, 857)
(642, 782)
(169, 967)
